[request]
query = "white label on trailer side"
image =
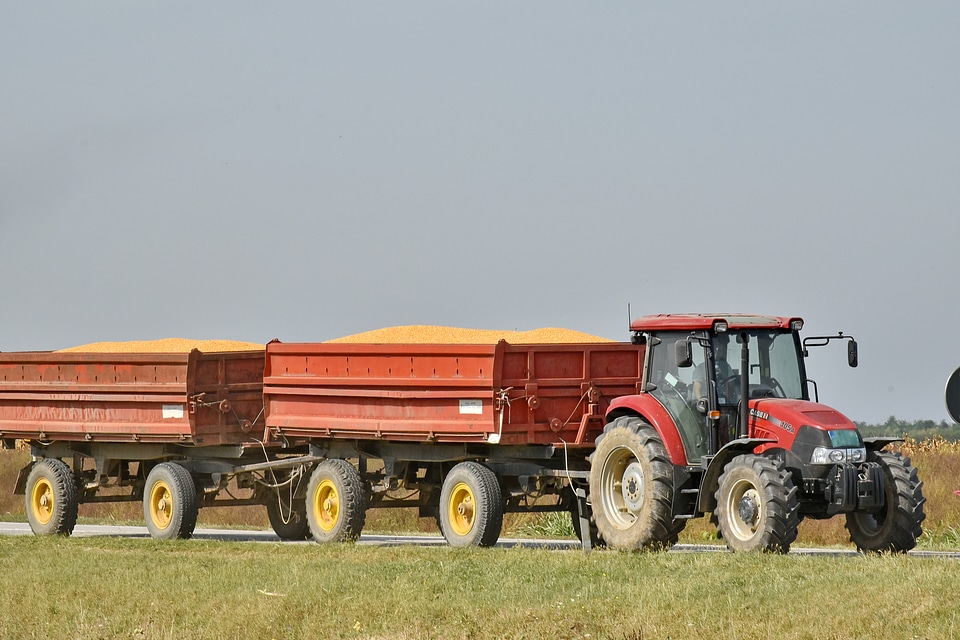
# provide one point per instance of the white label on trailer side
(174, 411)
(474, 407)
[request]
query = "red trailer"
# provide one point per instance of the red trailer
(175, 428)
(191, 399)
(474, 430)
(121, 419)
(550, 394)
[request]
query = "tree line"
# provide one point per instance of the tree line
(916, 429)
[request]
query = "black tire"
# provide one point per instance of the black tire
(288, 519)
(631, 487)
(336, 502)
(757, 505)
(51, 496)
(897, 526)
(471, 506)
(170, 502)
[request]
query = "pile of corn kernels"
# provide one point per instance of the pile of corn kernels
(429, 334)
(407, 334)
(166, 345)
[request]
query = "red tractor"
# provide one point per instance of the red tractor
(724, 424)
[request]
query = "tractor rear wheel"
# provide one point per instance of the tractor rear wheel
(631, 487)
(51, 498)
(336, 502)
(471, 506)
(897, 525)
(757, 505)
(170, 503)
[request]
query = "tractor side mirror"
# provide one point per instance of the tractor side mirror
(703, 406)
(684, 354)
(852, 359)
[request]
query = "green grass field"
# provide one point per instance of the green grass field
(140, 588)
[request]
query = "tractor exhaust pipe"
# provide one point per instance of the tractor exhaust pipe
(744, 387)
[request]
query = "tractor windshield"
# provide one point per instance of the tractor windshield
(774, 365)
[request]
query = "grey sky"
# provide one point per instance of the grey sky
(302, 171)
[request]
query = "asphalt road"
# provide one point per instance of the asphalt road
(245, 535)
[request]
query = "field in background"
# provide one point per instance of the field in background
(937, 460)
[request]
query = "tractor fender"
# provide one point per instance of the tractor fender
(646, 407)
(878, 443)
(711, 478)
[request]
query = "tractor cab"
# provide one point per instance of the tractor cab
(700, 367)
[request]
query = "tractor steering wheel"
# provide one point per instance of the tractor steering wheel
(777, 387)
(730, 392)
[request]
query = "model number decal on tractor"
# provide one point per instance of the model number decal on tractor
(762, 415)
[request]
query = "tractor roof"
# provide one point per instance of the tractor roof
(700, 321)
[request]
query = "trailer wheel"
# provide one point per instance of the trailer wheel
(52, 500)
(170, 503)
(757, 505)
(288, 519)
(631, 487)
(336, 502)
(896, 526)
(471, 506)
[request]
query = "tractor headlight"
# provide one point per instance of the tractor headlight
(824, 455)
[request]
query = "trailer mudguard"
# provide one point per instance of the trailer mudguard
(879, 442)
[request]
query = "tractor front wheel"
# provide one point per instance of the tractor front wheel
(757, 505)
(897, 525)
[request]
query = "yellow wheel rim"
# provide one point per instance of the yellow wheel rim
(161, 505)
(326, 505)
(42, 501)
(462, 509)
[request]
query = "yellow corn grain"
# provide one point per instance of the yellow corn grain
(166, 345)
(405, 334)
(432, 334)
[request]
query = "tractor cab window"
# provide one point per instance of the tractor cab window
(674, 390)
(724, 374)
(774, 366)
